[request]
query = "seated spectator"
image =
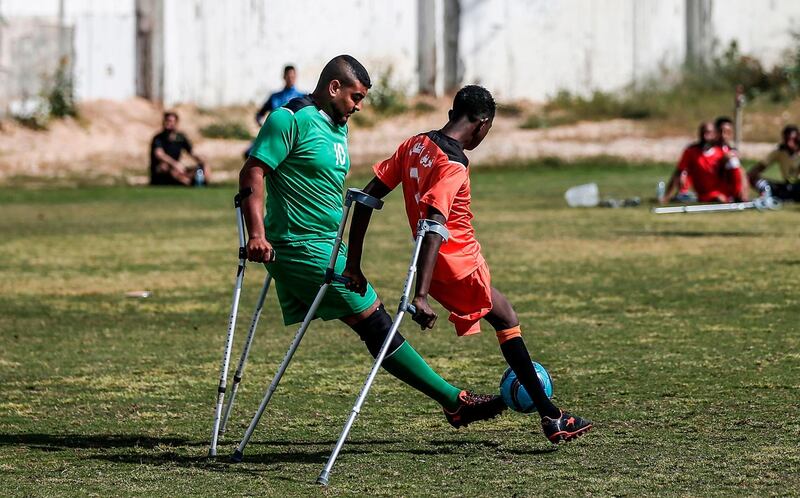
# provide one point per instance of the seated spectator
(715, 173)
(165, 154)
(680, 181)
(787, 156)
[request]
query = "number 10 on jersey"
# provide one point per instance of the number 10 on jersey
(341, 155)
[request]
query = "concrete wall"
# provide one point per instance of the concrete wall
(762, 28)
(216, 52)
(102, 43)
(532, 49)
(233, 51)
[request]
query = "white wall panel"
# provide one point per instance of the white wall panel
(233, 51)
(104, 37)
(220, 52)
(762, 28)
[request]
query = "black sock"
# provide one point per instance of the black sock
(517, 357)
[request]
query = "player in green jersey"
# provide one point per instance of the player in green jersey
(301, 151)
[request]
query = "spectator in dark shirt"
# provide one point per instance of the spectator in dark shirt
(165, 154)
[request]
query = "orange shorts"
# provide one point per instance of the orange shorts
(468, 299)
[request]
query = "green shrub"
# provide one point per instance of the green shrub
(386, 97)
(693, 93)
(56, 100)
(232, 130)
(61, 95)
(35, 121)
(509, 109)
(422, 107)
(544, 120)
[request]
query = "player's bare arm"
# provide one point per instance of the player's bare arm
(358, 231)
(429, 251)
(755, 172)
(176, 169)
(252, 176)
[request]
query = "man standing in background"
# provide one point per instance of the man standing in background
(278, 99)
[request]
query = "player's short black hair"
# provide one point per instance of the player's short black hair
(346, 69)
(788, 130)
(474, 102)
(287, 68)
(173, 114)
(721, 121)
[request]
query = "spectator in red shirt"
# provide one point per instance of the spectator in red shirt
(715, 173)
(680, 181)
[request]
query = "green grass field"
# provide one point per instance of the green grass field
(678, 335)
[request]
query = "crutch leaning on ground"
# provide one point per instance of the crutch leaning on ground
(423, 228)
(220, 420)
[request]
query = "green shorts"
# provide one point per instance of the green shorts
(298, 272)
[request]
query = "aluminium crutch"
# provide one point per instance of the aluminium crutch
(237, 292)
(237, 376)
(760, 204)
(353, 195)
(423, 227)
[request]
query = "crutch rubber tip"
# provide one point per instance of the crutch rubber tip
(322, 480)
(212, 453)
(237, 456)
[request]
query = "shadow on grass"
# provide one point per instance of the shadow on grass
(222, 463)
(690, 234)
(303, 453)
(464, 447)
(55, 442)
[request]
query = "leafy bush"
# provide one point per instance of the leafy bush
(61, 95)
(56, 100)
(386, 97)
(694, 93)
(232, 130)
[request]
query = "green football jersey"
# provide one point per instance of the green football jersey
(307, 155)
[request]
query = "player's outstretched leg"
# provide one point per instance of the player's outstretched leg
(557, 424)
(460, 407)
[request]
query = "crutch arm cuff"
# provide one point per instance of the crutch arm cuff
(359, 196)
(431, 226)
(241, 195)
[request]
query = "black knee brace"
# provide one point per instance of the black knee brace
(374, 329)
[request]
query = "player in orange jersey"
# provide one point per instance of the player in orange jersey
(433, 171)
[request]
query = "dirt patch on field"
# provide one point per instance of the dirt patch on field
(111, 141)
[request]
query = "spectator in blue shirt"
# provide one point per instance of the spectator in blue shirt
(278, 99)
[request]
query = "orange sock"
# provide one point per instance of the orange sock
(508, 334)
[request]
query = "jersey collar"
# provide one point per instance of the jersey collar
(327, 118)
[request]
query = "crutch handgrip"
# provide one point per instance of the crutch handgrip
(356, 195)
(243, 255)
(332, 276)
(241, 195)
(431, 226)
(405, 306)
